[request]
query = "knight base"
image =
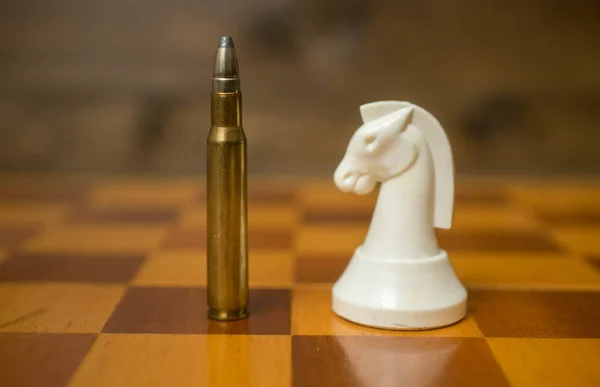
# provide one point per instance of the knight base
(400, 294)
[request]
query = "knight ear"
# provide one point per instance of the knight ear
(375, 110)
(384, 130)
(401, 119)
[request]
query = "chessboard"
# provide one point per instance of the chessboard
(102, 283)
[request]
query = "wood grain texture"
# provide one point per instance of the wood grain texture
(186, 238)
(552, 363)
(515, 241)
(143, 193)
(28, 214)
(320, 268)
(57, 307)
(159, 310)
(48, 360)
(97, 239)
(266, 216)
(579, 239)
(132, 275)
(529, 314)
(127, 215)
(11, 237)
(70, 268)
(42, 189)
(385, 361)
(181, 267)
(179, 310)
(557, 196)
(184, 268)
(594, 260)
(508, 270)
(186, 360)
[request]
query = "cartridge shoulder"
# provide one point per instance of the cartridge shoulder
(222, 134)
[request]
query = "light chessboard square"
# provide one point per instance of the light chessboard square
(579, 239)
(266, 269)
(32, 214)
(548, 362)
(57, 307)
(185, 360)
(504, 270)
(145, 193)
(261, 215)
(97, 239)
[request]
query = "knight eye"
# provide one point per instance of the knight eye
(370, 140)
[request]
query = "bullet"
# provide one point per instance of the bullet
(227, 230)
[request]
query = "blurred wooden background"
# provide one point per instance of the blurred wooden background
(123, 86)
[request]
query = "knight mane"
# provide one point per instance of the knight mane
(441, 151)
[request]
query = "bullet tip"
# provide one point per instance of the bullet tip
(226, 73)
(225, 42)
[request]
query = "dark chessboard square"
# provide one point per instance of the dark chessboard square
(124, 215)
(317, 269)
(393, 361)
(363, 214)
(44, 193)
(12, 237)
(183, 238)
(183, 311)
(270, 239)
(594, 260)
(480, 194)
(159, 310)
(269, 195)
(278, 196)
(257, 239)
(537, 314)
(496, 240)
(580, 217)
(65, 267)
(41, 360)
(337, 215)
(269, 314)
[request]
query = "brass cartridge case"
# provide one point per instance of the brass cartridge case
(227, 229)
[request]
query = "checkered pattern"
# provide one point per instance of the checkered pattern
(102, 283)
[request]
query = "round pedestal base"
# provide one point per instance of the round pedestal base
(400, 294)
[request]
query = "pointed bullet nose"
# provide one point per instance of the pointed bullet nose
(225, 42)
(226, 65)
(226, 76)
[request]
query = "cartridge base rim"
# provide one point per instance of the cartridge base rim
(227, 314)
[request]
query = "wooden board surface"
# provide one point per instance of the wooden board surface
(102, 283)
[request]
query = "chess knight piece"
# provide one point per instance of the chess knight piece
(399, 278)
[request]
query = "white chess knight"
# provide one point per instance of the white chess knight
(399, 278)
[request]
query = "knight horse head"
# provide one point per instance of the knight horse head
(388, 145)
(405, 148)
